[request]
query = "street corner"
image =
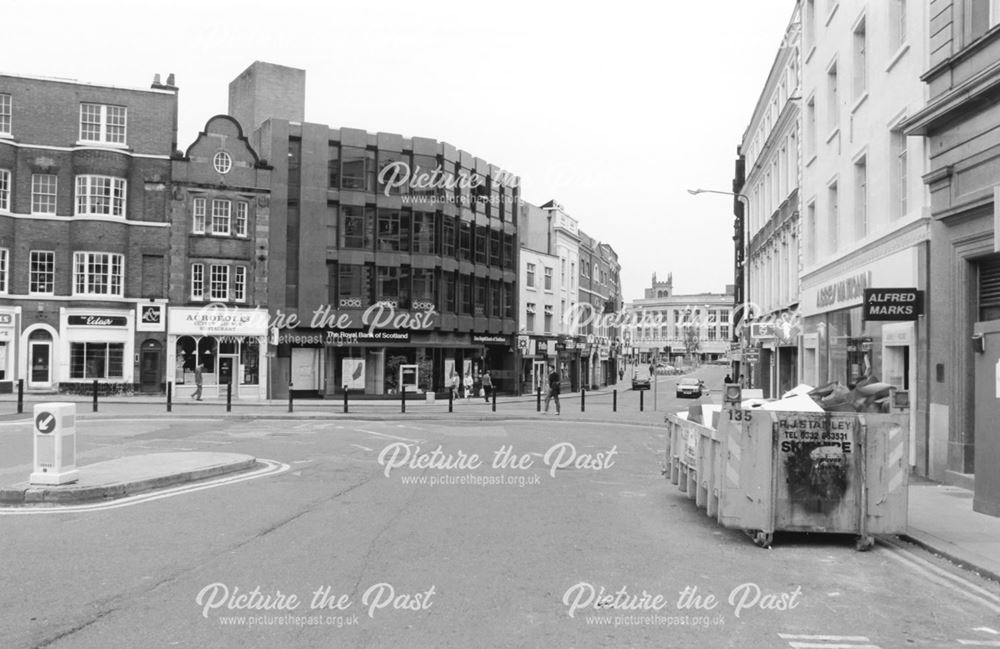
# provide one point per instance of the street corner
(136, 478)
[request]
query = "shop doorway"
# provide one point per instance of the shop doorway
(986, 343)
(149, 366)
(40, 359)
(305, 368)
(539, 377)
(227, 368)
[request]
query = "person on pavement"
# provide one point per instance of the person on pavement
(553, 389)
(455, 385)
(468, 386)
(621, 374)
(487, 386)
(199, 368)
(727, 380)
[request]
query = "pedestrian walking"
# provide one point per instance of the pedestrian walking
(621, 373)
(468, 386)
(553, 389)
(487, 386)
(198, 370)
(455, 385)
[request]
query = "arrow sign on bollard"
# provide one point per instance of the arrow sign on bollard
(45, 422)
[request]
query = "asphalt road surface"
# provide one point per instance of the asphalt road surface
(371, 539)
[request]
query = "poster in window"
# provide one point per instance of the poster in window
(354, 373)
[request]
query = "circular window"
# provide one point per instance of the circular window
(223, 162)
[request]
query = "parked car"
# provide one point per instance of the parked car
(689, 387)
(640, 379)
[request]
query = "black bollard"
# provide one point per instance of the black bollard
(451, 398)
(402, 400)
(170, 395)
(583, 399)
(20, 396)
(494, 399)
(641, 393)
(614, 401)
(229, 397)
(95, 395)
(345, 399)
(289, 397)
(538, 404)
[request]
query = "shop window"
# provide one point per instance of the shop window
(186, 356)
(250, 361)
(96, 360)
(206, 354)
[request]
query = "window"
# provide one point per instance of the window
(356, 227)
(97, 273)
(548, 278)
(102, 123)
(96, 360)
(198, 212)
(357, 169)
(508, 251)
(423, 233)
(423, 287)
(5, 114)
(465, 240)
(448, 237)
(218, 286)
(897, 24)
(100, 195)
(529, 309)
(548, 319)
(860, 60)
(899, 180)
(4, 190)
(42, 272)
(393, 230)
(4, 264)
(240, 284)
(197, 281)
(43, 193)
(355, 285)
(221, 216)
(832, 101)
(222, 162)
(530, 280)
(810, 127)
(982, 15)
(832, 220)
(240, 226)
(562, 272)
(861, 198)
(495, 236)
(333, 166)
(480, 245)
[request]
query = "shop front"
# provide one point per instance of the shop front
(94, 344)
(844, 339)
(383, 362)
(230, 344)
(8, 346)
(535, 361)
(567, 361)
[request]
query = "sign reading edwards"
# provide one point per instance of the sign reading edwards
(898, 304)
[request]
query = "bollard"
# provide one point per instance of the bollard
(20, 396)
(170, 395)
(345, 399)
(494, 399)
(538, 404)
(95, 395)
(289, 397)
(402, 401)
(229, 397)
(641, 392)
(583, 399)
(614, 400)
(451, 398)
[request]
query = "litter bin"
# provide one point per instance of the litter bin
(768, 471)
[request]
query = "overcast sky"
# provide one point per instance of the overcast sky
(613, 109)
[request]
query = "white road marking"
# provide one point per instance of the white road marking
(944, 578)
(827, 641)
(363, 448)
(271, 467)
(980, 643)
(986, 629)
(387, 436)
(824, 638)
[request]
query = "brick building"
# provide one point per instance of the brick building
(220, 212)
(84, 233)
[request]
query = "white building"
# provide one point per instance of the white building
(864, 204)
(537, 322)
(770, 149)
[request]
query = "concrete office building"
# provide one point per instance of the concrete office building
(392, 284)
(959, 123)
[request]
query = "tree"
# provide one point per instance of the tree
(692, 340)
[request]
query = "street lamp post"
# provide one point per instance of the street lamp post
(744, 256)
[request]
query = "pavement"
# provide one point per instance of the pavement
(940, 517)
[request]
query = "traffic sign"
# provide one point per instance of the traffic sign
(45, 422)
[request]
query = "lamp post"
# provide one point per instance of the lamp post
(743, 261)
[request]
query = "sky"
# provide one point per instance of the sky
(612, 109)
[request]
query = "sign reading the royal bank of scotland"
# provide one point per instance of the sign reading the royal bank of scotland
(490, 339)
(893, 304)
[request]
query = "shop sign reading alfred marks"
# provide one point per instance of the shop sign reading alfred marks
(893, 304)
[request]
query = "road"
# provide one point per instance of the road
(377, 553)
